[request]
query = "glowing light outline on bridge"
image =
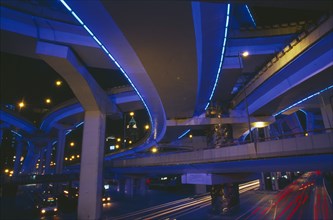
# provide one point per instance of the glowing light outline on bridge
(109, 54)
(222, 55)
(303, 100)
(248, 10)
(69, 131)
(14, 132)
(182, 135)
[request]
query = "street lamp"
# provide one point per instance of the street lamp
(240, 55)
(21, 104)
(125, 122)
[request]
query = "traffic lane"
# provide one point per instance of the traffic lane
(305, 198)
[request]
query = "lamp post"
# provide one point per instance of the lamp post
(124, 138)
(240, 55)
(125, 126)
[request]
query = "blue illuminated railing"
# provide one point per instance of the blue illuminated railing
(248, 10)
(222, 56)
(303, 100)
(182, 135)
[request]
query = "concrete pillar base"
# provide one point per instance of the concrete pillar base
(224, 197)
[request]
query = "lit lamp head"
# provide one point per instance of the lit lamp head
(21, 104)
(245, 53)
(260, 124)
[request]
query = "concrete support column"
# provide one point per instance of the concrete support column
(18, 154)
(230, 196)
(224, 197)
(142, 187)
(216, 193)
(48, 157)
(327, 114)
(121, 186)
(262, 181)
(275, 184)
(91, 178)
(294, 124)
(200, 189)
(60, 150)
(129, 187)
(1, 134)
(30, 160)
(41, 161)
(267, 132)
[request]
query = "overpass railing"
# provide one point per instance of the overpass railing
(296, 145)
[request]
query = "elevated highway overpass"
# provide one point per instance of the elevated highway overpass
(179, 66)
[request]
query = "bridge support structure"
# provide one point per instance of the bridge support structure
(224, 188)
(130, 186)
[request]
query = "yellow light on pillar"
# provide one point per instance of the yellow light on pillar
(118, 139)
(72, 144)
(131, 114)
(154, 150)
(190, 135)
(245, 53)
(146, 127)
(260, 124)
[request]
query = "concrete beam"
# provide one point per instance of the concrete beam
(91, 96)
(195, 121)
(213, 179)
(296, 48)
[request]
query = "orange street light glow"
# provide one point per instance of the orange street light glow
(21, 104)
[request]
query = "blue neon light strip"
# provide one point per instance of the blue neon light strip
(16, 133)
(109, 54)
(222, 55)
(248, 10)
(303, 100)
(79, 124)
(184, 134)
